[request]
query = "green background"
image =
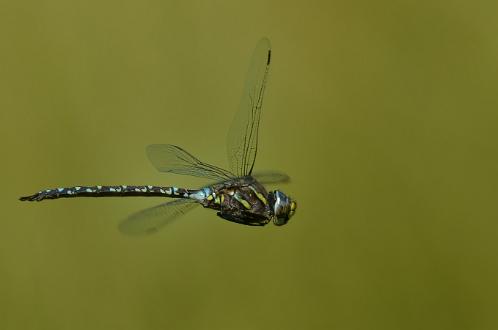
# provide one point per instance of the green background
(383, 112)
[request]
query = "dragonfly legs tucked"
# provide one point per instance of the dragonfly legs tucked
(246, 218)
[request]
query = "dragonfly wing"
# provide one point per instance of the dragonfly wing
(150, 220)
(271, 177)
(243, 135)
(173, 159)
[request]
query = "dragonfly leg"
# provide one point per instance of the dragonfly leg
(249, 219)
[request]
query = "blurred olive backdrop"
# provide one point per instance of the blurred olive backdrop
(383, 112)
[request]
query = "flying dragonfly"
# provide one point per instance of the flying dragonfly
(238, 194)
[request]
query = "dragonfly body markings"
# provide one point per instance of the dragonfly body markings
(237, 195)
(113, 191)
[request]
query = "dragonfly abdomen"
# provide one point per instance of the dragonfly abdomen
(114, 191)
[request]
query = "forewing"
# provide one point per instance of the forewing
(271, 177)
(243, 134)
(150, 220)
(173, 159)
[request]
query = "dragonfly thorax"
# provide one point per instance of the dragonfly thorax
(283, 207)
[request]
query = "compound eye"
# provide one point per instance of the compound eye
(280, 221)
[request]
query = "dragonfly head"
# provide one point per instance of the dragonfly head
(283, 207)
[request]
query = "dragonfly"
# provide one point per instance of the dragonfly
(238, 195)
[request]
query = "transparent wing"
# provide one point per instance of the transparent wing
(173, 159)
(243, 135)
(271, 177)
(150, 220)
